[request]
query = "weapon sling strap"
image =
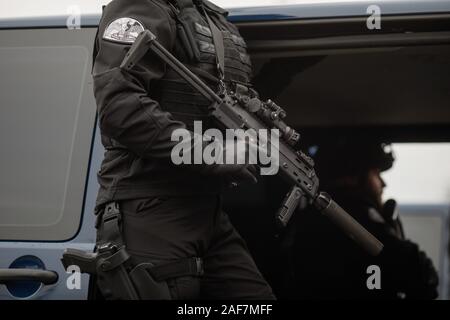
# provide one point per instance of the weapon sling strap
(218, 43)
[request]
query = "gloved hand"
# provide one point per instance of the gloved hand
(234, 160)
(233, 173)
(429, 277)
(408, 269)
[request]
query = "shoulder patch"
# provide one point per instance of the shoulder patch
(123, 30)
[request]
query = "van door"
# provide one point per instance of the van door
(48, 162)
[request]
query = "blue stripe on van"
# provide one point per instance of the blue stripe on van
(260, 17)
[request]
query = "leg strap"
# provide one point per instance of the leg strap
(180, 268)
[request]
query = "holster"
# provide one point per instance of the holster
(117, 277)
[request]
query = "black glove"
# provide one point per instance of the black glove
(430, 278)
(232, 160)
(238, 167)
(233, 173)
(409, 270)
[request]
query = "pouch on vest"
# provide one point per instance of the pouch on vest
(185, 28)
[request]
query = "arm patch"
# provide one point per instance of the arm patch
(123, 30)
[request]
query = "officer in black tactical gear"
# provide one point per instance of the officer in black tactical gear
(169, 216)
(326, 264)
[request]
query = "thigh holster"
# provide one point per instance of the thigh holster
(117, 276)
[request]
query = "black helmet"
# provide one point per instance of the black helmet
(352, 157)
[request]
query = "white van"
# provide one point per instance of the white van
(382, 69)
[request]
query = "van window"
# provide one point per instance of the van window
(420, 182)
(420, 174)
(46, 126)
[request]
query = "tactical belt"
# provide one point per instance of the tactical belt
(117, 276)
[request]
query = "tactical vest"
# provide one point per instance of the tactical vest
(195, 48)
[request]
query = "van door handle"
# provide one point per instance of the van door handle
(45, 276)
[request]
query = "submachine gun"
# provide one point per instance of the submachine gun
(241, 109)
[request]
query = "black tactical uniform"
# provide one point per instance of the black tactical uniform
(169, 212)
(328, 265)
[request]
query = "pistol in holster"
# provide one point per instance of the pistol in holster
(117, 277)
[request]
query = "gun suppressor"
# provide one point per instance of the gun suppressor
(347, 224)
